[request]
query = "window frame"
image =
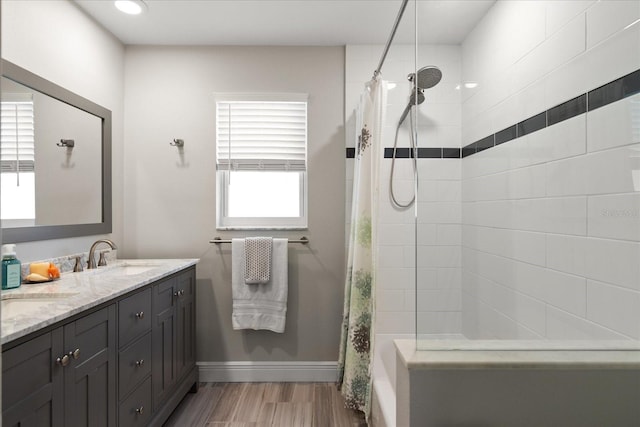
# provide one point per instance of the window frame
(226, 222)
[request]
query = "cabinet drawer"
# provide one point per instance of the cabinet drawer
(136, 409)
(134, 364)
(134, 316)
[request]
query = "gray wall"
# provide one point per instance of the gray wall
(57, 41)
(170, 193)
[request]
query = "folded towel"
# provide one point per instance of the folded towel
(257, 260)
(259, 306)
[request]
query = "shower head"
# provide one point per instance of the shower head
(428, 77)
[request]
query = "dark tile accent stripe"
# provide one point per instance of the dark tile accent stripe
(485, 143)
(401, 153)
(506, 135)
(351, 153)
(615, 91)
(469, 150)
(429, 153)
(611, 92)
(532, 124)
(450, 153)
(567, 110)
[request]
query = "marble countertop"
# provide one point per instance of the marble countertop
(463, 355)
(34, 306)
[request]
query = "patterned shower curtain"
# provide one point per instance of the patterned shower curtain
(356, 344)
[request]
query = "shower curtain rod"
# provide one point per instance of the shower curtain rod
(391, 36)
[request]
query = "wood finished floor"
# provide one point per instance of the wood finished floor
(265, 405)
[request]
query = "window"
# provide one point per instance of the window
(17, 159)
(261, 161)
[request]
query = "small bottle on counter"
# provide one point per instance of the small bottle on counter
(11, 268)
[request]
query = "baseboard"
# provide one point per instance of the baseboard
(323, 372)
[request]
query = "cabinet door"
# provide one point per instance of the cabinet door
(32, 382)
(90, 377)
(185, 338)
(163, 337)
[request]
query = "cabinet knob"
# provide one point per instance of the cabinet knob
(140, 410)
(75, 353)
(140, 362)
(140, 315)
(63, 361)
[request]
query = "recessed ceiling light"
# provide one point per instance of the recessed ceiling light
(131, 7)
(471, 85)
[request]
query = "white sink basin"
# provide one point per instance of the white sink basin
(12, 306)
(128, 268)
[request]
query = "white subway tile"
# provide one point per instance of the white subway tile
(387, 300)
(567, 177)
(567, 253)
(565, 291)
(559, 13)
(448, 256)
(427, 278)
(395, 234)
(426, 234)
(439, 322)
(449, 234)
(615, 216)
(567, 215)
(614, 125)
(395, 322)
(605, 61)
(449, 278)
(390, 256)
(613, 261)
(428, 191)
(449, 191)
(439, 300)
(608, 17)
(439, 169)
(614, 307)
(439, 212)
(612, 171)
(565, 326)
(395, 278)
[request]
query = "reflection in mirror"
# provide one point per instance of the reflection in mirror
(55, 152)
(35, 163)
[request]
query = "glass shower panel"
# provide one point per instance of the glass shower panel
(528, 225)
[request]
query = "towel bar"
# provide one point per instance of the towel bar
(304, 240)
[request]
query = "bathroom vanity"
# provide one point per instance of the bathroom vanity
(114, 346)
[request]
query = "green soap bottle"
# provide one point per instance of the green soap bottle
(11, 268)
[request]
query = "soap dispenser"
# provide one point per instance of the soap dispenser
(11, 268)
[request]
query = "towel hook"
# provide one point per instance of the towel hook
(177, 143)
(69, 143)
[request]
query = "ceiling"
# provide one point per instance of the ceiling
(287, 22)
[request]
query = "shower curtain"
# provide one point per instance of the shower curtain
(356, 344)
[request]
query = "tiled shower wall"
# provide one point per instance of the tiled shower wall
(439, 229)
(551, 219)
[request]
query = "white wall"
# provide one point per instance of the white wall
(439, 228)
(57, 41)
(170, 193)
(551, 230)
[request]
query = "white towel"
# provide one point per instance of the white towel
(260, 306)
(257, 260)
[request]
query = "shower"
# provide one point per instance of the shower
(426, 78)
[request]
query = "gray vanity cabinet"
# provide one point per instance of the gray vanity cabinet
(127, 364)
(32, 383)
(89, 378)
(173, 334)
(65, 377)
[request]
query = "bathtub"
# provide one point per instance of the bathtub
(383, 405)
(505, 383)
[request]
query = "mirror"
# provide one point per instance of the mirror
(56, 160)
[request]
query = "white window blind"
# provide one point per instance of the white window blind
(255, 135)
(17, 149)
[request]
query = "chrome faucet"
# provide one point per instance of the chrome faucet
(92, 262)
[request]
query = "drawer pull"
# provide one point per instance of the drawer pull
(75, 353)
(63, 361)
(179, 293)
(140, 315)
(140, 410)
(140, 362)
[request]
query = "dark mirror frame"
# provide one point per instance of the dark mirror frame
(46, 232)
